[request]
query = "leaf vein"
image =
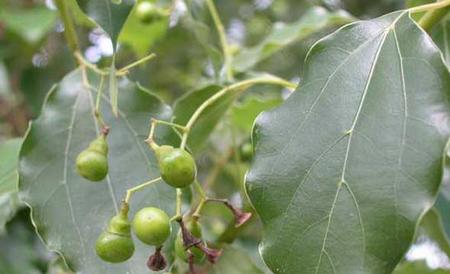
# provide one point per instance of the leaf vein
(65, 171)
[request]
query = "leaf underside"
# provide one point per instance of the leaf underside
(70, 212)
(345, 168)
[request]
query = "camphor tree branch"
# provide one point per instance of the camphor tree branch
(433, 16)
(430, 7)
(227, 54)
(69, 27)
(269, 79)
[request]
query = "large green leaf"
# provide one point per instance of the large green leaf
(347, 165)
(109, 16)
(314, 20)
(68, 211)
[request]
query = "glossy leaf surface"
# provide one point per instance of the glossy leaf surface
(347, 165)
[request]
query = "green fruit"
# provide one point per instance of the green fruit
(177, 167)
(92, 163)
(180, 251)
(246, 151)
(152, 226)
(148, 12)
(115, 244)
(114, 248)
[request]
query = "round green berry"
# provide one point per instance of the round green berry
(114, 248)
(147, 12)
(246, 151)
(177, 166)
(92, 163)
(115, 245)
(152, 226)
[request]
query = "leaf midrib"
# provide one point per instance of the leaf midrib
(344, 61)
(350, 134)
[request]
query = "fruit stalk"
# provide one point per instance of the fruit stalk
(239, 85)
(137, 188)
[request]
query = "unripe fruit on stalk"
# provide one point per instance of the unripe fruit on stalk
(115, 244)
(152, 226)
(92, 163)
(180, 250)
(246, 151)
(147, 12)
(176, 165)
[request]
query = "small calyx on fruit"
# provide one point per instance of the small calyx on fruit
(157, 262)
(148, 12)
(192, 245)
(240, 217)
(152, 226)
(176, 165)
(115, 245)
(92, 163)
(185, 242)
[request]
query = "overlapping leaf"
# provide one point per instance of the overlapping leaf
(315, 19)
(235, 261)
(244, 114)
(185, 106)
(441, 36)
(140, 36)
(431, 234)
(69, 212)
(9, 201)
(345, 168)
(109, 16)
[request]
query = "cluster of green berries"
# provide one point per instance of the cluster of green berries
(151, 225)
(176, 165)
